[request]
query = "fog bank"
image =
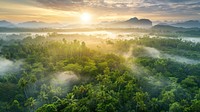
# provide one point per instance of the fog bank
(8, 66)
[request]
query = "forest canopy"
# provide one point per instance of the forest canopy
(61, 74)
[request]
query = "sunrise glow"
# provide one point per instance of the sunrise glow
(86, 18)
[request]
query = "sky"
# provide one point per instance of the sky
(69, 11)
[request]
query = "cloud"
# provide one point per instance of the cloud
(152, 9)
(171, 6)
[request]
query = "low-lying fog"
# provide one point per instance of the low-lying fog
(64, 78)
(97, 34)
(152, 52)
(8, 66)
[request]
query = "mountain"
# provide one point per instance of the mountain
(168, 30)
(5, 23)
(166, 27)
(171, 28)
(188, 24)
(134, 23)
(38, 24)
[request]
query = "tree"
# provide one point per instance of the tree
(141, 99)
(15, 106)
(30, 104)
(195, 107)
(43, 96)
(22, 83)
(76, 68)
(175, 107)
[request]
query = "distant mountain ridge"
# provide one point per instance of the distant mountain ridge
(29, 24)
(38, 24)
(5, 23)
(130, 23)
(135, 23)
(180, 31)
(188, 24)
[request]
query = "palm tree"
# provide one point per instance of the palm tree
(22, 83)
(30, 104)
(43, 97)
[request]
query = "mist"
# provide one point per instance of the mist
(64, 78)
(63, 82)
(8, 66)
(181, 59)
(152, 52)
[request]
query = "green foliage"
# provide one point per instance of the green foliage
(106, 81)
(175, 107)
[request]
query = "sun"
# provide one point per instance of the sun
(86, 17)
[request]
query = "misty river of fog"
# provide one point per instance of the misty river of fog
(97, 34)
